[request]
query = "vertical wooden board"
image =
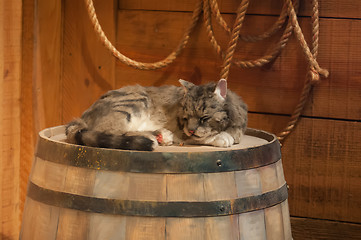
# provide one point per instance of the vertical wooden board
(280, 173)
(284, 205)
(28, 134)
(110, 184)
(88, 69)
(222, 227)
(252, 226)
(48, 64)
(272, 215)
(48, 174)
(109, 227)
(269, 178)
(79, 181)
(185, 187)
(274, 223)
(145, 228)
(146, 187)
(40, 221)
(249, 184)
(220, 186)
(185, 229)
(73, 224)
(10, 77)
(286, 220)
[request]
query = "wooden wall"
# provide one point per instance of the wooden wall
(58, 71)
(10, 68)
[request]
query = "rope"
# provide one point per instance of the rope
(298, 32)
(136, 64)
(241, 12)
(209, 29)
(271, 56)
(312, 77)
(248, 63)
(250, 38)
(210, 7)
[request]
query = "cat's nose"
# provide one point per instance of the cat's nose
(191, 132)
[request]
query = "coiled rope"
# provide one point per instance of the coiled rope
(136, 64)
(209, 8)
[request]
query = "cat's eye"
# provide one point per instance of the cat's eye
(204, 119)
(185, 119)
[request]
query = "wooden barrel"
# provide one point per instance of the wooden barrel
(201, 192)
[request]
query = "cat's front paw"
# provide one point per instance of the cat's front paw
(223, 139)
(164, 137)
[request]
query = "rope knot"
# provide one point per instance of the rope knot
(314, 75)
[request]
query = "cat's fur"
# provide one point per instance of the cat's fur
(132, 117)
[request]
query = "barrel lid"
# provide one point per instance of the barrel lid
(258, 149)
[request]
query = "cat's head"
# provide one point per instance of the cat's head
(203, 112)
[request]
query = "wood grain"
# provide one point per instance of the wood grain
(48, 64)
(10, 69)
(88, 69)
(28, 134)
(328, 8)
(306, 228)
(322, 166)
(321, 159)
(275, 88)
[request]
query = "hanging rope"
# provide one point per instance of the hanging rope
(136, 64)
(311, 78)
(248, 63)
(249, 38)
(241, 13)
(210, 7)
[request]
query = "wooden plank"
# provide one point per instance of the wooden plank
(28, 135)
(220, 186)
(272, 215)
(275, 88)
(307, 228)
(72, 225)
(322, 166)
(146, 187)
(252, 225)
(109, 185)
(185, 187)
(88, 69)
(75, 224)
(40, 222)
(10, 69)
(104, 226)
(48, 64)
(284, 205)
(328, 8)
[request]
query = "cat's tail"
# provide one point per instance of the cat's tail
(77, 132)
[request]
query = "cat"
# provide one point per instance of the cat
(141, 118)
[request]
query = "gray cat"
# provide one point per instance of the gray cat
(141, 118)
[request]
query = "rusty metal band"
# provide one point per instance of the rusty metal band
(162, 162)
(157, 209)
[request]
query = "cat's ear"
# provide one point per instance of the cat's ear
(221, 89)
(186, 85)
